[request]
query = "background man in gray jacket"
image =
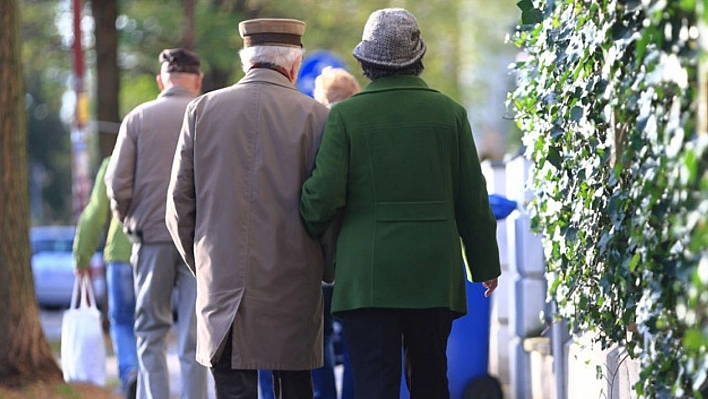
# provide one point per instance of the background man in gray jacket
(233, 201)
(136, 182)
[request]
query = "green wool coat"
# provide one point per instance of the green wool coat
(398, 161)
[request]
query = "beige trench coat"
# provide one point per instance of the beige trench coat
(232, 210)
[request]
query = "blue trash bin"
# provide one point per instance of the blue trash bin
(468, 345)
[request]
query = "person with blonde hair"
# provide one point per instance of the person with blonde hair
(334, 85)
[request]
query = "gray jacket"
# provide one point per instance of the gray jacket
(139, 171)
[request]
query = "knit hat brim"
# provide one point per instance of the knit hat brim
(366, 52)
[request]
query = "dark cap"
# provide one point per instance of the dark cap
(179, 60)
(272, 32)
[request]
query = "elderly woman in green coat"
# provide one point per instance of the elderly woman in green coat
(398, 163)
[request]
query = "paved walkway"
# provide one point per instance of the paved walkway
(51, 323)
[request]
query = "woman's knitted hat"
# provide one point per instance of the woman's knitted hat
(391, 38)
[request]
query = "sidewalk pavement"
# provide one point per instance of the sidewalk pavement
(51, 324)
(172, 365)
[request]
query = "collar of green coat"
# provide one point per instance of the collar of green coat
(405, 82)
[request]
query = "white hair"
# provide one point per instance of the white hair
(281, 56)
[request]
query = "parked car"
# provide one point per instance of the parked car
(53, 267)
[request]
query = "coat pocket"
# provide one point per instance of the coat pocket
(410, 211)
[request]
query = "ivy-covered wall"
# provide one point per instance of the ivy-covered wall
(607, 101)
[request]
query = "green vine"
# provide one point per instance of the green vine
(606, 100)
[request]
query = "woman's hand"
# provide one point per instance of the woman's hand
(490, 285)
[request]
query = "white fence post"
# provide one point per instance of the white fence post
(527, 280)
(499, 335)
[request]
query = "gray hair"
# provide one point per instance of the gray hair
(281, 56)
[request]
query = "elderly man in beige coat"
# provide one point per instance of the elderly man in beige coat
(232, 210)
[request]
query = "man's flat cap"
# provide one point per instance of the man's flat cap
(179, 60)
(272, 32)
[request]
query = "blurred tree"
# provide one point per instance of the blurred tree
(25, 355)
(337, 26)
(188, 34)
(125, 65)
(104, 14)
(484, 74)
(148, 27)
(47, 71)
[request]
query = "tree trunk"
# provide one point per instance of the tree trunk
(105, 13)
(216, 79)
(188, 35)
(25, 355)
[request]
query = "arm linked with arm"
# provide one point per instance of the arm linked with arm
(324, 193)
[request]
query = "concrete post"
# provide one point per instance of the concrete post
(499, 335)
(527, 280)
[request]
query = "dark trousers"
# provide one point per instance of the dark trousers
(243, 384)
(375, 337)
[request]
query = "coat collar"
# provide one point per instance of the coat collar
(406, 82)
(265, 75)
(176, 91)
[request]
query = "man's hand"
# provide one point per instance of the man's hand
(490, 285)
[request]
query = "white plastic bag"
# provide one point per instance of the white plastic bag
(83, 352)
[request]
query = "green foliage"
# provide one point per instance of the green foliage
(607, 103)
(146, 27)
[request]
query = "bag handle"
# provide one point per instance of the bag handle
(88, 290)
(75, 293)
(83, 291)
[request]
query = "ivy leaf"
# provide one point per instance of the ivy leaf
(576, 113)
(529, 14)
(688, 5)
(622, 198)
(532, 17)
(554, 157)
(633, 263)
(621, 31)
(525, 5)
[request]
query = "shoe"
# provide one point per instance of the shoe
(131, 390)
